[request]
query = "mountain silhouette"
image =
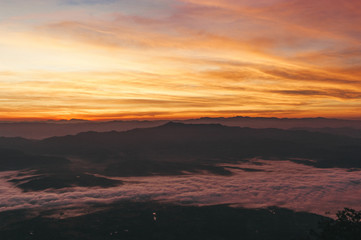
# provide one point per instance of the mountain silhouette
(174, 147)
(45, 129)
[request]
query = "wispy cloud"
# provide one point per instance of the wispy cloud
(233, 55)
(280, 183)
(91, 2)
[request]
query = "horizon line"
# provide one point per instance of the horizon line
(13, 120)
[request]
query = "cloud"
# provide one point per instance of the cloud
(342, 94)
(187, 57)
(280, 183)
(91, 2)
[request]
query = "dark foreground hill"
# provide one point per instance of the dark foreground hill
(129, 220)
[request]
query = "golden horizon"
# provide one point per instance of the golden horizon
(167, 59)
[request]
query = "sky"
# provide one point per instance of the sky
(164, 59)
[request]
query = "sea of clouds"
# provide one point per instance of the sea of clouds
(275, 183)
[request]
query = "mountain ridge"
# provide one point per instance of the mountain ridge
(171, 149)
(45, 129)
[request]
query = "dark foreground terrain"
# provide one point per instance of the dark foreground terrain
(127, 220)
(40, 172)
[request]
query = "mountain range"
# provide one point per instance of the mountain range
(45, 129)
(169, 149)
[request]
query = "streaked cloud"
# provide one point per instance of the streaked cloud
(276, 183)
(181, 58)
(78, 2)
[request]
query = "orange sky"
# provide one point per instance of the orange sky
(157, 59)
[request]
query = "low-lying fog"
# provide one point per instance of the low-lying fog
(255, 184)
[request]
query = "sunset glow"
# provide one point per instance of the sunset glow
(163, 59)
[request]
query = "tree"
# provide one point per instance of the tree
(347, 226)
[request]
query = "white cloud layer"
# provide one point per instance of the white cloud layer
(281, 183)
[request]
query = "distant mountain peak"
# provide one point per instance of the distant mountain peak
(173, 124)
